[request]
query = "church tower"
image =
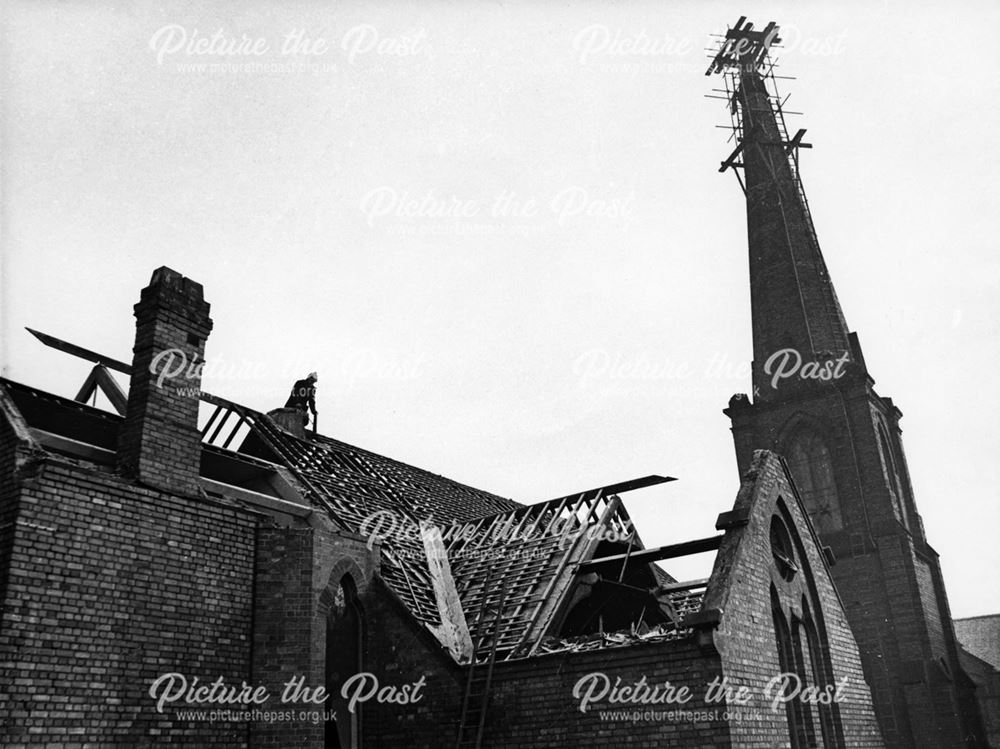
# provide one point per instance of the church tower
(814, 402)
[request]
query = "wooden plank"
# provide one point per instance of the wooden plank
(257, 499)
(86, 354)
(454, 631)
(674, 587)
(235, 429)
(552, 599)
(222, 423)
(71, 446)
(100, 379)
(652, 555)
(619, 488)
(731, 160)
(211, 420)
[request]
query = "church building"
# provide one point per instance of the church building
(191, 570)
(180, 568)
(814, 402)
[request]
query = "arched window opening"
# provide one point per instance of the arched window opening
(821, 677)
(804, 669)
(812, 469)
(781, 549)
(344, 647)
(786, 661)
(895, 484)
(800, 636)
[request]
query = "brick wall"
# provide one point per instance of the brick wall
(532, 703)
(901, 625)
(8, 500)
(159, 442)
(111, 585)
(298, 572)
(740, 587)
(400, 652)
(535, 706)
(114, 584)
(532, 700)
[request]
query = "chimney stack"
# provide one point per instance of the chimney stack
(159, 444)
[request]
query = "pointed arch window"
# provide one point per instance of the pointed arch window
(344, 647)
(811, 465)
(808, 735)
(783, 640)
(895, 484)
(800, 638)
(821, 675)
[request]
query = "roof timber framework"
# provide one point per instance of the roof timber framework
(533, 551)
(513, 565)
(350, 489)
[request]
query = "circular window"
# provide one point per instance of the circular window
(781, 549)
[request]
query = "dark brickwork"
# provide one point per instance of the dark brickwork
(400, 651)
(118, 570)
(109, 586)
(743, 573)
(535, 706)
(298, 572)
(113, 584)
(532, 700)
(886, 573)
(159, 443)
(8, 500)
(532, 703)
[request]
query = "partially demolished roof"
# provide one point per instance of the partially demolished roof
(533, 552)
(530, 552)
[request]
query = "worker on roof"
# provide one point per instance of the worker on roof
(303, 397)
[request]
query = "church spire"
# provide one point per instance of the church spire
(800, 337)
(816, 406)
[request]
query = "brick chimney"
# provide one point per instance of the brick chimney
(159, 443)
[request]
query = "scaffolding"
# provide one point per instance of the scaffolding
(741, 57)
(757, 111)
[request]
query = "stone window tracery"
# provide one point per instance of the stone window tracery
(811, 465)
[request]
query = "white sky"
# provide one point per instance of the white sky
(530, 354)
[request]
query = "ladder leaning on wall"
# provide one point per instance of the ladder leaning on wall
(476, 700)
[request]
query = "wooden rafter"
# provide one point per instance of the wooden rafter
(100, 379)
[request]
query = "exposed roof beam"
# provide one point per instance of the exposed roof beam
(100, 379)
(620, 488)
(72, 348)
(646, 556)
(680, 586)
(259, 500)
(453, 631)
(69, 446)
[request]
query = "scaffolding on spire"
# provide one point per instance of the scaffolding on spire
(765, 160)
(743, 58)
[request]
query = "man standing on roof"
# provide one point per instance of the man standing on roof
(303, 397)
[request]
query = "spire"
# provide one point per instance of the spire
(800, 337)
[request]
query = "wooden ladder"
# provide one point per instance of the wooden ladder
(476, 700)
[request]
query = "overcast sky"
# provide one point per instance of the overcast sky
(498, 230)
